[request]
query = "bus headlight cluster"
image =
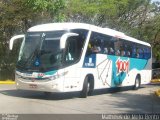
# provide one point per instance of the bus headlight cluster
(58, 75)
(18, 76)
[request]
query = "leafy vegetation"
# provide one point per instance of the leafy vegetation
(137, 18)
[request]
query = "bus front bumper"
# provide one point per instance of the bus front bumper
(37, 85)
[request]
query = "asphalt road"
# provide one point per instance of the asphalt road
(102, 102)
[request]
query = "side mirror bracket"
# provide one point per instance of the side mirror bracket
(13, 39)
(64, 39)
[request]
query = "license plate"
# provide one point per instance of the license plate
(33, 86)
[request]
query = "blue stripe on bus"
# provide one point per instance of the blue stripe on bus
(125, 65)
(117, 78)
(51, 72)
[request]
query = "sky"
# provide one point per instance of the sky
(155, 0)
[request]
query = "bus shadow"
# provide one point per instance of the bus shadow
(58, 96)
(39, 95)
(113, 90)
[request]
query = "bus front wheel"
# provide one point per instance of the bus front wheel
(86, 88)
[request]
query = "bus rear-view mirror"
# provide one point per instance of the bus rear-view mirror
(64, 39)
(13, 39)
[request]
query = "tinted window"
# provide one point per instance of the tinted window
(104, 44)
(74, 46)
(100, 43)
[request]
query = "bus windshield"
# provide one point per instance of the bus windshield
(40, 51)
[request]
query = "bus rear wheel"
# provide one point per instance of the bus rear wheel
(137, 83)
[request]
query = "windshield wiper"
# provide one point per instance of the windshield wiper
(31, 57)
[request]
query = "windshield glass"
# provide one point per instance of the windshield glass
(40, 51)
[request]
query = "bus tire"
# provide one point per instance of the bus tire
(137, 83)
(86, 88)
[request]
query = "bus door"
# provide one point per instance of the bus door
(71, 58)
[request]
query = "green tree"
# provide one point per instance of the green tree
(136, 18)
(16, 16)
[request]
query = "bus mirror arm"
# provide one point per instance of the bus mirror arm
(64, 39)
(13, 39)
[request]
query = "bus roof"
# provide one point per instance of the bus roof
(67, 26)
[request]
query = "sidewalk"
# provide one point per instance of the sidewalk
(157, 93)
(156, 81)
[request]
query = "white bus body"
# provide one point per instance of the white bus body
(60, 57)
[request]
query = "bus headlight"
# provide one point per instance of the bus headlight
(18, 76)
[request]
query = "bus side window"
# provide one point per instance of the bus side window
(111, 51)
(128, 54)
(105, 50)
(117, 53)
(134, 52)
(123, 53)
(137, 53)
(95, 43)
(92, 48)
(147, 53)
(89, 49)
(96, 49)
(69, 51)
(141, 53)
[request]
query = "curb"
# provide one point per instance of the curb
(7, 82)
(157, 93)
(155, 81)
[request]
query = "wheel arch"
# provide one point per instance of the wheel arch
(137, 80)
(91, 80)
(139, 77)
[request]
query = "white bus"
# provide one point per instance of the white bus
(67, 57)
